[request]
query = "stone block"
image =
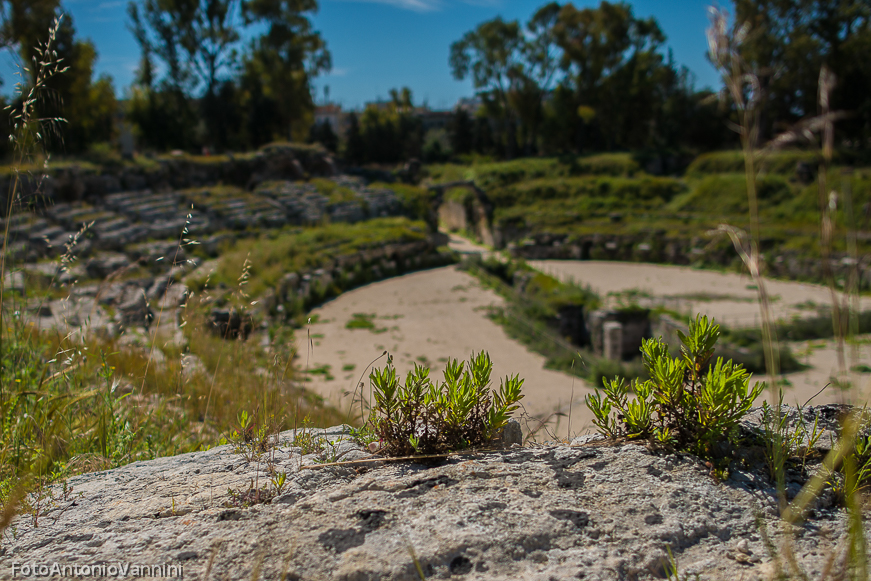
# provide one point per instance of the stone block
(612, 340)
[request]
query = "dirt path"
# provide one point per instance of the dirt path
(430, 316)
(731, 300)
(729, 297)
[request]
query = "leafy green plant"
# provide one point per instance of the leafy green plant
(279, 480)
(306, 440)
(251, 437)
(690, 401)
(854, 476)
(361, 321)
(783, 440)
(421, 416)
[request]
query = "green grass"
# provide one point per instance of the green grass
(361, 321)
(608, 195)
(530, 318)
(334, 192)
(70, 407)
(498, 174)
(778, 162)
(417, 200)
(272, 255)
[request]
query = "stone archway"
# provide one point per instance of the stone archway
(475, 216)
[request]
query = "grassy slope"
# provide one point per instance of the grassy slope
(68, 407)
(583, 195)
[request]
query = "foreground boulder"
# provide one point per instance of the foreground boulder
(593, 510)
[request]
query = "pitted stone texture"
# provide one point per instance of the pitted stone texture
(600, 511)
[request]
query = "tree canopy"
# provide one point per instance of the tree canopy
(236, 74)
(586, 78)
(87, 104)
(245, 95)
(788, 42)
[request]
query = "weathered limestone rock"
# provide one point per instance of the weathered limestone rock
(634, 326)
(231, 324)
(135, 310)
(593, 510)
(106, 263)
(612, 340)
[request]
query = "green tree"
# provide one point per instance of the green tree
(355, 148)
(262, 96)
(282, 62)
(613, 60)
(788, 42)
(88, 105)
(195, 40)
(390, 132)
(540, 64)
(462, 132)
(161, 108)
(482, 135)
(492, 55)
(323, 133)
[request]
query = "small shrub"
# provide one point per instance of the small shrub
(688, 401)
(361, 321)
(420, 416)
(855, 474)
(781, 162)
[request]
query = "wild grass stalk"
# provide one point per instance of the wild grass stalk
(747, 94)
(67, 398)
(27, 135)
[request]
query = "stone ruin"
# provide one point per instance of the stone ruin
(122, 231)
(616, 334)
(586, 509)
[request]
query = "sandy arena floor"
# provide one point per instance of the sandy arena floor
(433, 315)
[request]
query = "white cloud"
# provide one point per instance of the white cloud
(483, 2)
(108, 5)
(415, 5)
(337, 72)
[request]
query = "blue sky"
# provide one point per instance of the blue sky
(381, 44)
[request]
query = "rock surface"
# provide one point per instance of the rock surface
(591, 510)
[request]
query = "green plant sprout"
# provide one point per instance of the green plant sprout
(421, 416)
(689, 401)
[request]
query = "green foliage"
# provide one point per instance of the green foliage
(273, 255)
(198, 43)
(856, 469)
(689, 401)
(360, 321)
(801, 329)
(726, 194)
(416, 200)
(531, 317)
(420, 416)
(436, 146)
(49, 418)
(732, 161)
(590, 193)
(606, 70)
(323, 133)
(797, 47)
(385, 134)
(333, 191)
(494, 175)
(784, 442)
(88, 105)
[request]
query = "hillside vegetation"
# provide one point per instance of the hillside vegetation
(618, 194)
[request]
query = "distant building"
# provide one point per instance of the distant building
(469, 104)
(332, 113)
(434, 119)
